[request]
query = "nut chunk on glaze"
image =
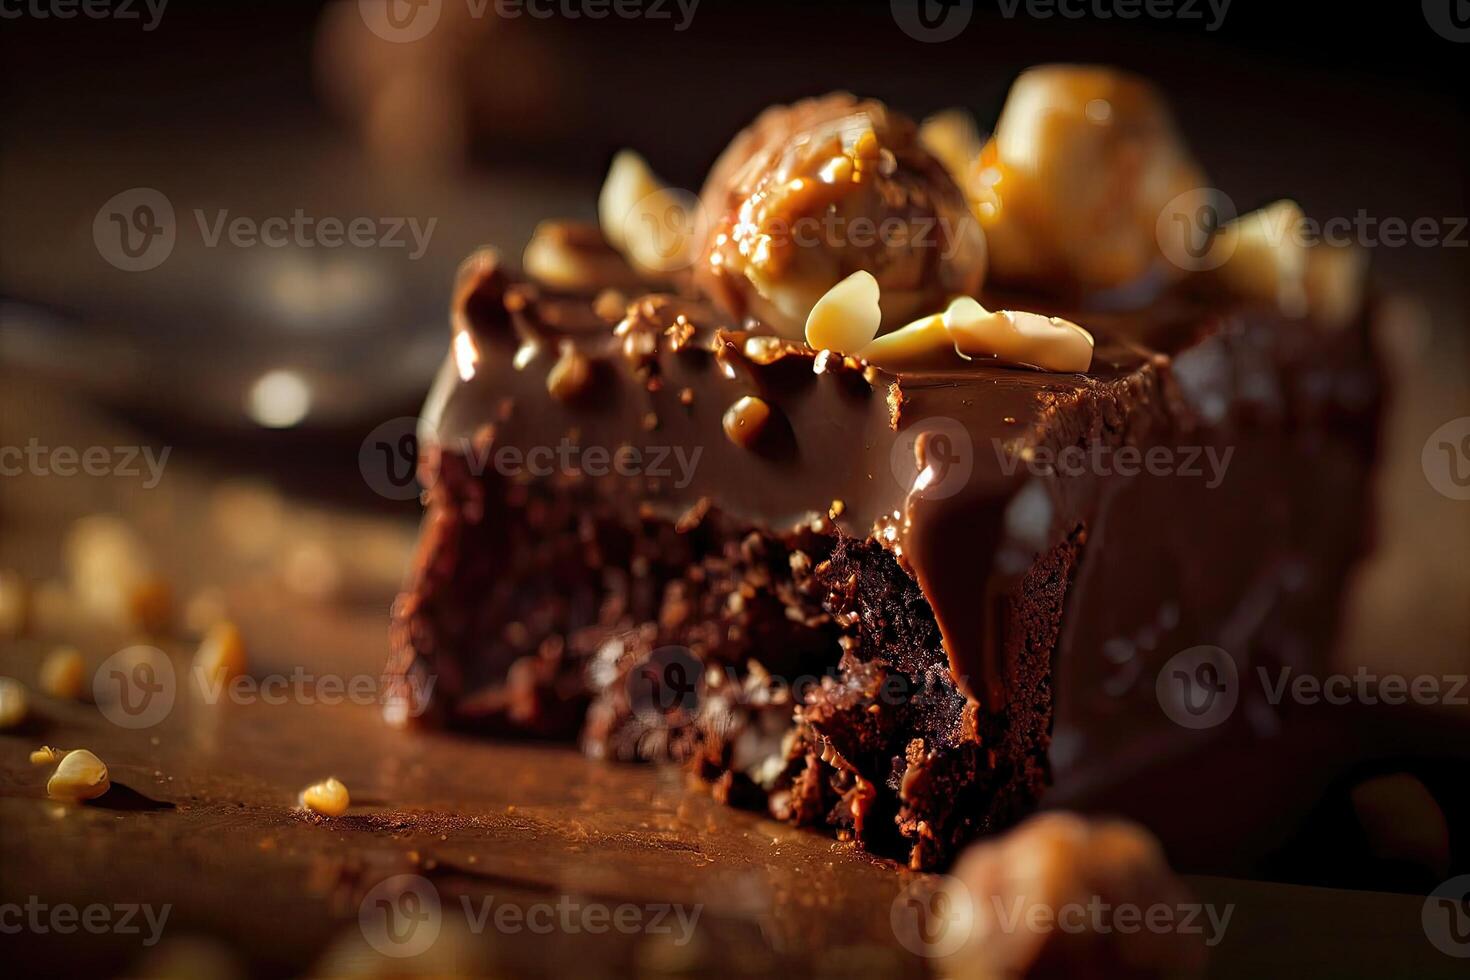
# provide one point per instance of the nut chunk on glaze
(1086, 184)
(811, 193)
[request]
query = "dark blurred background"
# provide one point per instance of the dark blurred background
(490, 123)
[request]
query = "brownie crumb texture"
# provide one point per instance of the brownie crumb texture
(801, 675)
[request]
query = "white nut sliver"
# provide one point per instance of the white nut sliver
(1046, 342)
(81, 776)
(1262, 256)
(329, 798)
(847, 317)
(923, 343)
(14, 703)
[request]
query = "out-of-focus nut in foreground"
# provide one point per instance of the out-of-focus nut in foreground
(1071, 188)
(80, 776)
(221, 656)
(328, 798)
(15, 704)
(1032, 894)
(63, 673)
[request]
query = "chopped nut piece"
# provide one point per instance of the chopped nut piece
(773, 250)
(1050, 343)
(1262, 256)
(847, 316)
(329, 798)
(954, 140)
(968, 330)
(80, 776)
(14, 703)
(1056, 861)
(221, 657)
(745, 420)
(574, 257)
(63, 673)
(45, 756)
(1086, 181)
(570, 375)
(14, 604)
(923, 343)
